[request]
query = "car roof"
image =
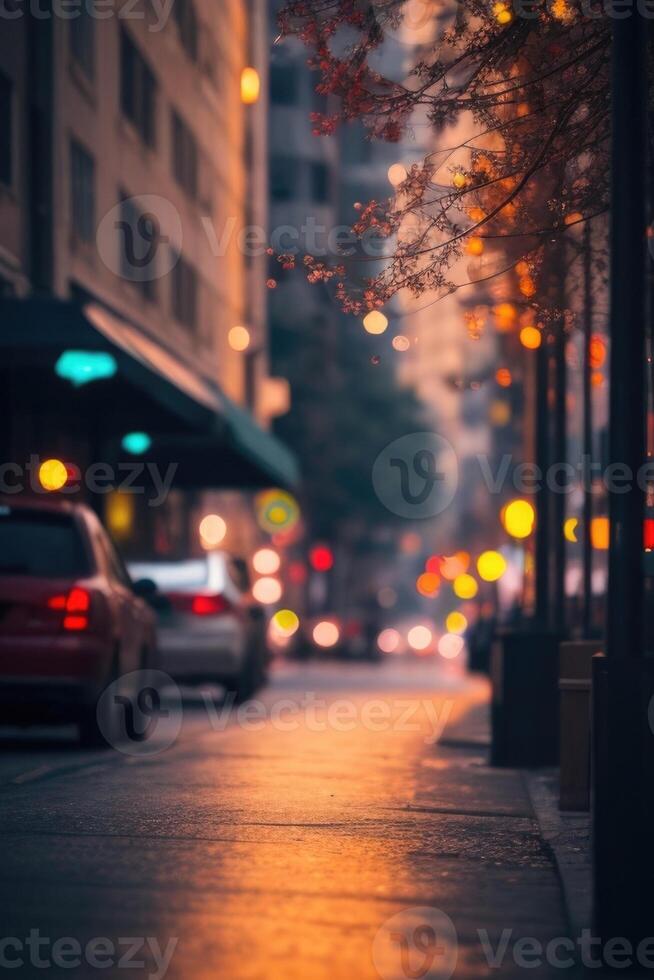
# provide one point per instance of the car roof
(45, 505)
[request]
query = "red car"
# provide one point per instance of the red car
(71, 621)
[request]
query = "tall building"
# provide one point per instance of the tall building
(136, 162)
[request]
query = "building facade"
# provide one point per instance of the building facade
(134, 167)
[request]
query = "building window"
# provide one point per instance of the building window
(185, 293)
(283, 178)
(137, 89)
(82, 41)
(82, 171)
(139, 242)
(319, 183)
(6, 123)
(185, 156)
(187, 26)
(284, 87)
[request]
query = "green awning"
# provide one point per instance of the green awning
(193, 424)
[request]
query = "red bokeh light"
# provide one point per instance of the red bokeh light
(321, 558)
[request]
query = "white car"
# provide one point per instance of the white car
(209, 628)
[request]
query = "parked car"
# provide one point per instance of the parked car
(210, 629)
(71, 620)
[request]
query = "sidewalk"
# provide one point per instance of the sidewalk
(489, 837)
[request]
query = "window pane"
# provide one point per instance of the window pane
(82, 170)
(35, 544)
(283, 84)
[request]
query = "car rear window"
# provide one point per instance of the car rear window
(41, 545)
(195, 575)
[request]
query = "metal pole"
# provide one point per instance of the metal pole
(587, 560)
(559, 498)
(542, 440)
(628, 312)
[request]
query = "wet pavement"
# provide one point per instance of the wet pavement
(332, 829)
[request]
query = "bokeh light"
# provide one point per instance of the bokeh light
(600, 533)
(465, 587)
(212, 531)
(519, 518)
(401, 343)
(285, 623)
(454, 565)
(419, 638)
(276, 511)
(266, 561)
(397, 174)
(428, 584)
(321, 558)
(570, 529)
(450, 645)
(505, 317)
(531, 338)
(238, 338)
(503, 377)
(491, 566)
(388, 641)
(456, 622)
(375, 322)
(250, 86)
(267, 590)
(475, 246)
(53, 475)
(326, 634)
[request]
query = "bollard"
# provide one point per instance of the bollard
(575, 670)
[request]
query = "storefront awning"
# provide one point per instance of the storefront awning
(213, 442)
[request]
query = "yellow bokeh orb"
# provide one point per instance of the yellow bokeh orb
(475, 246)
(456, 622)
(570, 529)
(465, 587)
(250, 86)
(285, 622)
(491, 566)
(53, 475)
(375, 322)
(519, 518)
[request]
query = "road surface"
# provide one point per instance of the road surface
(331, 830)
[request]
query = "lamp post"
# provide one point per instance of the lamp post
(623, 679)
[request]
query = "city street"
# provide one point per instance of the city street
(281, 842)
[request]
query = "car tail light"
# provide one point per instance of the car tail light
(76, 606)
(199, 604)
